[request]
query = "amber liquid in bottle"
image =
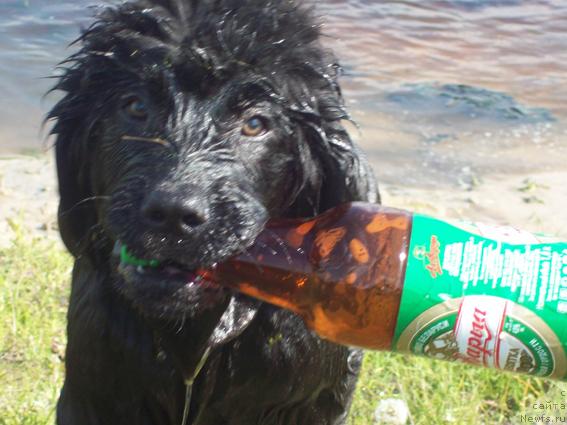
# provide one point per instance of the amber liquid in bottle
(343, 271)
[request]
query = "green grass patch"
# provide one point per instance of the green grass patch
(34, 286)
(439, 392)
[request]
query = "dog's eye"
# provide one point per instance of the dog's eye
(136, 108)
(254, 126)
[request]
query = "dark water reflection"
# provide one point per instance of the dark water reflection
(403, 62)
(514, 48)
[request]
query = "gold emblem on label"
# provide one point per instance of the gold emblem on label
(518, 358)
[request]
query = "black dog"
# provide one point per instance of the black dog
(185, 125)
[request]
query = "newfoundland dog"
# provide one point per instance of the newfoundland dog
(184, 126)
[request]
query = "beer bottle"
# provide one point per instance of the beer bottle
(386, 279)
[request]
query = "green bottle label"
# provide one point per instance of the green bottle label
(487, 295)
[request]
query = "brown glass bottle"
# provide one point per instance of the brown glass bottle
(385, 279)
(342, 271)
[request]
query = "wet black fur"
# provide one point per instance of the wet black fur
(201, 67)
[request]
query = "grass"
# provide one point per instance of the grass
(34, 276)
(34, 283)
(444, 393)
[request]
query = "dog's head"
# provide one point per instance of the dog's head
(185, 125)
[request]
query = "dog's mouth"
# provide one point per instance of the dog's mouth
(159, 270)
(165, 287)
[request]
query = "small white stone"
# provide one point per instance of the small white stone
(391, 411)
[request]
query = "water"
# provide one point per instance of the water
(34, 35)
(444, 91)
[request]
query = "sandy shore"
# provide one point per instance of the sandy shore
(28, 197)
(537, 203)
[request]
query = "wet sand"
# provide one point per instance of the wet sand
(535, 202)
(28, 197)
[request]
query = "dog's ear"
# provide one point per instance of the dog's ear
(72, 129)
(346, 173)
(335, 171)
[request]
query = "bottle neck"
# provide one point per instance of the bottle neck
(272, 270)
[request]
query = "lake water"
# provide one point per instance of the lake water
(444, 92)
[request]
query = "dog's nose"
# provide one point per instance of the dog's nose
(168, 213)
